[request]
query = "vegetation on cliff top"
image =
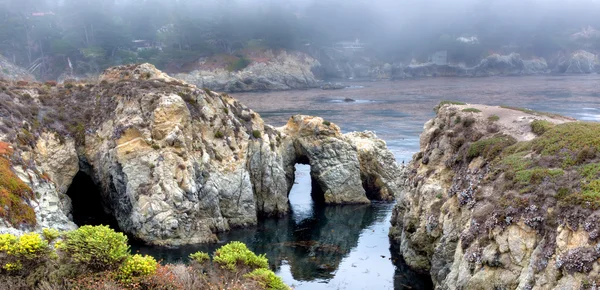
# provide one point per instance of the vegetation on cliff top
(551, 180)
(96, 257)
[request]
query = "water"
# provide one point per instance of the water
(346, 247)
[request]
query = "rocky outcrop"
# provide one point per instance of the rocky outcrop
(12, 72)
(176, 164)
(282, 71)
(578, 62)
(493, 65)
(502, 198)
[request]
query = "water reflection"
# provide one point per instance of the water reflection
(320, 247)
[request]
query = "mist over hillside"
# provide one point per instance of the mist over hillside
(52, 38)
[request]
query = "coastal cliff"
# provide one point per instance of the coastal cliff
(174, 164)
(502, 198)
(267, 71)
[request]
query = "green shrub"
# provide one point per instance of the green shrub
(236, 253)
(468, 122)
(471, 110)
(326, 123)
(267, 279)
(539, 127)
(238, 64)
(490, 148)
(29, 249)
(219, 135)
(256, 134)
(568, 137)
(443, 103)
(200, 257)
(29, 246)
(137, 266)
(50, 234)
(96, 247)
(493, 118)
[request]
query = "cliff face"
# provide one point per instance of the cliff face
(175, 164)
(272, 72)
(502, 198)
(493, 65)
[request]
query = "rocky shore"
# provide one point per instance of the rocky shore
(175, 164)
(502, 198)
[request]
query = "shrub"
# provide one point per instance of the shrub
(96, 247)
(200, 257)
(568, 137)
(493, 118)
(235, 253)
(539, 127)
(219, 135)
(29, 250)
(238, 64)
(490, 148)
(226, 110)
(267, 279)
(137, 266)
(14, 197)
(50, 234)
(256, 134)
(29, 246)
(443, 103)
(467, 122)
(326, 123)
(471, 110)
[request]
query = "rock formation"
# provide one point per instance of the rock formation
(493, 65)
(502, 198)
(176, 164)
(282, 71)
(578, 62)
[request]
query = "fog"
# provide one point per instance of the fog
(45, 35)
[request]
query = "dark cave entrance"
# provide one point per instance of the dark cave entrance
(87, 203)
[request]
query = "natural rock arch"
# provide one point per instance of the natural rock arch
(176, 164)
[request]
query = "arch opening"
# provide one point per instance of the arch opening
(88, 206)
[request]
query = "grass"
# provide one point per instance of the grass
(326, 123)
(471, 110)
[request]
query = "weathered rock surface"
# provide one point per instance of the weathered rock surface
(176, 164)
(478, 213)
(283, 71)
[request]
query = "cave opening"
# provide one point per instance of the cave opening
(88, 206)
(303, 206)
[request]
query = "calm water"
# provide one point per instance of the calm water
(346, 247)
